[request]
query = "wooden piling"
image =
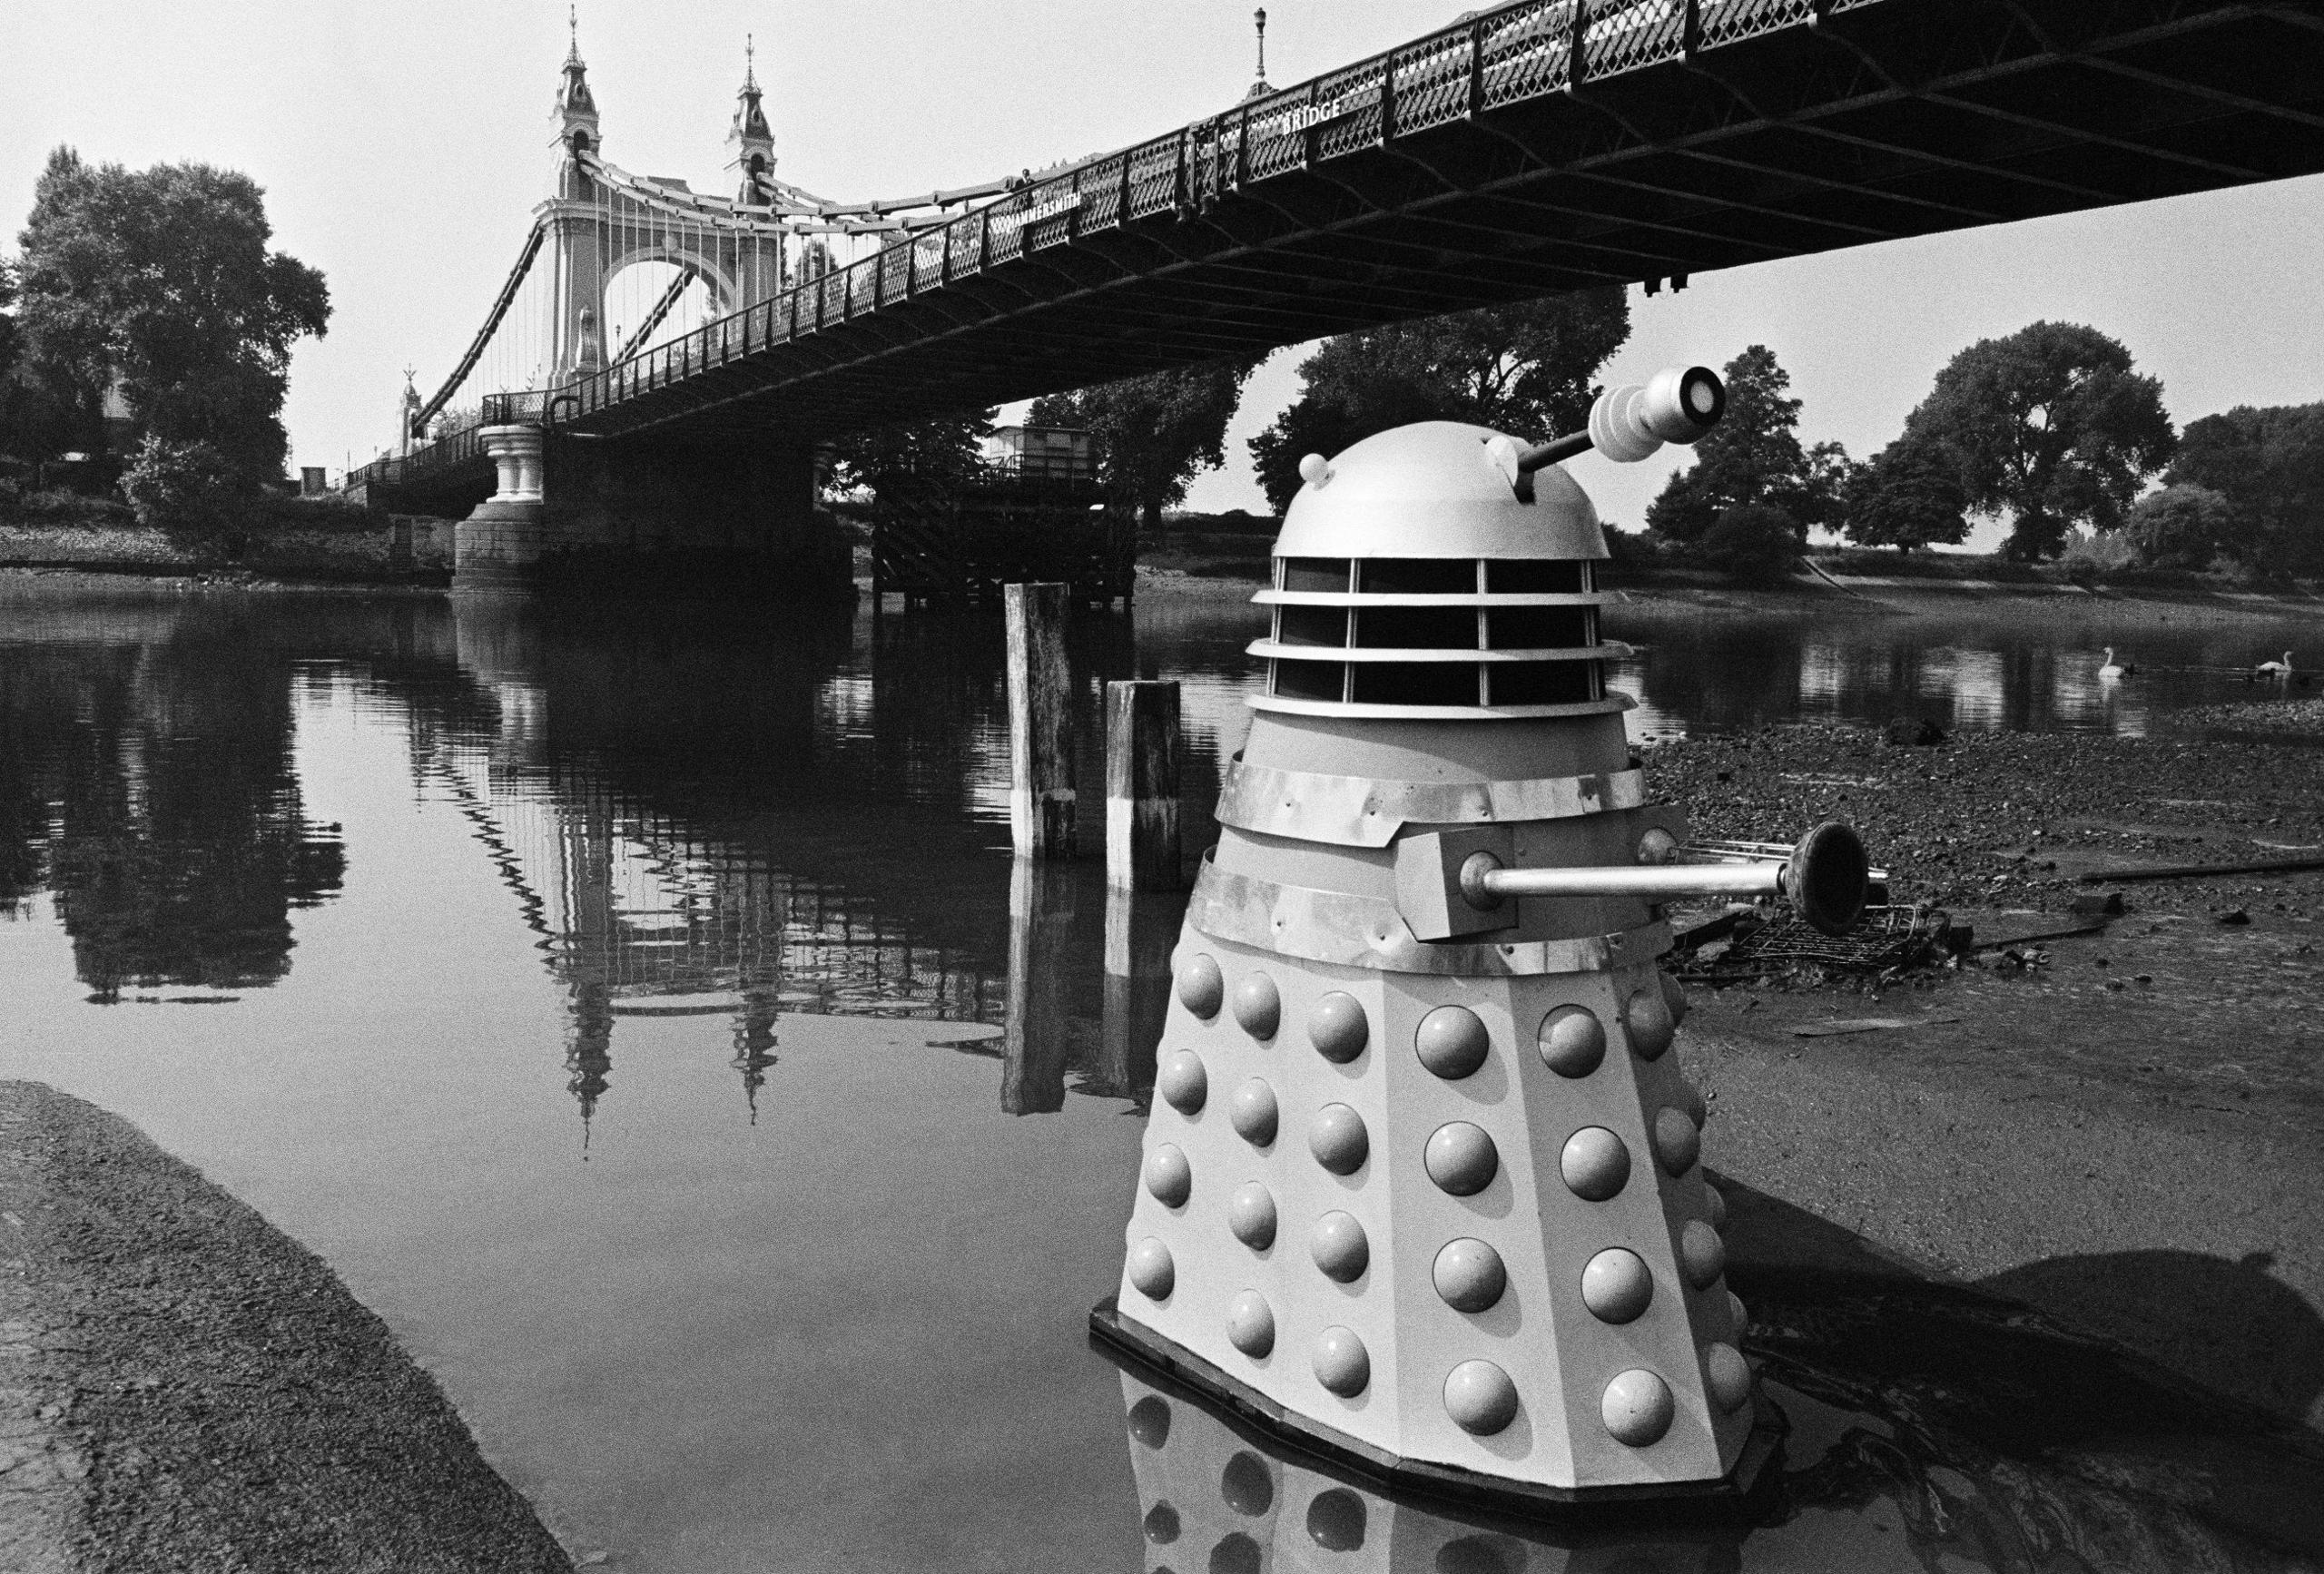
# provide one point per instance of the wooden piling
(1037, 1034)
(1040, 722)
(1140, 930)
(1142, 786)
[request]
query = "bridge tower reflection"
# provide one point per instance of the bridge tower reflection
(647, 906)
(740, 824)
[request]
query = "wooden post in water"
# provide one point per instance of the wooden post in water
(1040, 722)
(1139, 933)
(1036, 1035)
(1142, 786)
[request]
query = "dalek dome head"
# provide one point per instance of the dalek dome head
(1418, 576)
(1436, 490)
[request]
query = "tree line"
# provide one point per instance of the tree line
(2051, 430)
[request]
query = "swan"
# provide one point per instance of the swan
(2282, 669)
(2114, 669)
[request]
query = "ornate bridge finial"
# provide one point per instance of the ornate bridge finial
(750, 138)
(1260, 86)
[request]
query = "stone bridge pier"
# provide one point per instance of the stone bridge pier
(736, 511)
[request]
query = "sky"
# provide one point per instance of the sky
(402, 148)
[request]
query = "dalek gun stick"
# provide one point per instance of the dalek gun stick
(1827, 878)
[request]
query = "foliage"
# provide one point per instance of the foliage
(272, 511)
(2269, 463)
(1630, 548)
(815, 262)
(1152, 435)
(2053, 424)
(2184, 527)
(1752, 544)
(1908, 497)
(943, 449)
(189, 489)
(11, 341)
(2090, 558)
(161, 279)
(1525, 368)
(56, 506)
(1753, 456)
(33, 421)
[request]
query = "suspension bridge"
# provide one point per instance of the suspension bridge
(1536, 147)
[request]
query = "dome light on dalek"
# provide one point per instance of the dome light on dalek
(1421, 1183)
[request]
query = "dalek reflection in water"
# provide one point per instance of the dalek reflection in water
(1439, 1198)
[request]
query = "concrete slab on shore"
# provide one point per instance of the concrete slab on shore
(184, 1386)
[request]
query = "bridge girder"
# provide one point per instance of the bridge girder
(1853, 122)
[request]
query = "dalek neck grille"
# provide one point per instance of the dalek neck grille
(1413, 581)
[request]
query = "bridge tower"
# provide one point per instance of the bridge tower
(750, 138)
(576, 222)
(758, 270)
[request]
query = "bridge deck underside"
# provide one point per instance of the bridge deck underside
(449, 488)
(1890, 120)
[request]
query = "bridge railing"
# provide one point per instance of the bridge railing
(452, 447)
(504, 409)
(1525, 50)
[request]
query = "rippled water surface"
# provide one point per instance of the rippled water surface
(644, 1015)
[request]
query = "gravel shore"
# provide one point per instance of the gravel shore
(187, 1388)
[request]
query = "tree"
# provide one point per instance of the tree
(2185, 526)
(1908, 497)
(1152, 435)
(1753, 456)
(1525, 368)
(161, 280)
(2269, 463)
(1752, 543)
(2051, 424)
(941, 447)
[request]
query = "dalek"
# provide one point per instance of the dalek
(1420, 1188)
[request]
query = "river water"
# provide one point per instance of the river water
(643, 1014)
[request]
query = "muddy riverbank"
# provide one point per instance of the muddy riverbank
(188, 1387)
(2120, 1126)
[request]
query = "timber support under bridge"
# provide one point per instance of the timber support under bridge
(1537, 147)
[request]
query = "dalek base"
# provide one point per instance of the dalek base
(1172, 1365)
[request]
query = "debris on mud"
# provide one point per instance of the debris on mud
(1774, 948)
(2013, 821)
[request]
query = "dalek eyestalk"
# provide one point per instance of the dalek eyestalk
(1627, 424)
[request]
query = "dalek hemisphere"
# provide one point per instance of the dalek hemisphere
(1422, 1180)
